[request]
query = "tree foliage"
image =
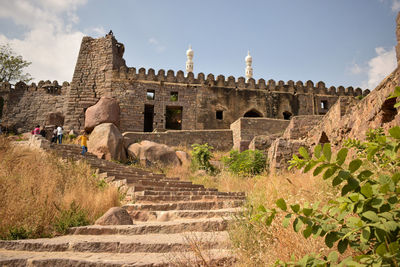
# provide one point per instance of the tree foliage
(201, 156)
(12, 66)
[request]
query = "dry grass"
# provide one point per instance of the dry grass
(255, 244)
(35, 187)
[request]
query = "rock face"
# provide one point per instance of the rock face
(115, 216)
(107, 142)
(150, 153)
(105, 111)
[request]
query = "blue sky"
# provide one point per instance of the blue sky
(341, 42)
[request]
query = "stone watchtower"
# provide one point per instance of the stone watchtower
(92, 77)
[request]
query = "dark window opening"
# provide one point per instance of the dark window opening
(173, 118)
(148, 118)
(324, 138)
(1, 106)
(287, 115)
(150, 94)
(174, 96)
(388, 110)
(324, 104)
(219, 115)
(252, 113)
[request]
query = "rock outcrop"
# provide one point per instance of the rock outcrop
(107, 142)
(149, 153)
(115, 216)
(105, 111)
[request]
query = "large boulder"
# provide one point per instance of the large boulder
(150, 153)
(107, 142)
(105, 111)
(115, 216)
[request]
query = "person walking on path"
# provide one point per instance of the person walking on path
(83, 138)
(59, 134)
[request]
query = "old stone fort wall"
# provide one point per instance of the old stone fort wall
(160, 101)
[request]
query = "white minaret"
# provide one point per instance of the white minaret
(189, 61)
(249, 69)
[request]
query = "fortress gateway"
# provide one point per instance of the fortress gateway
(159, 101)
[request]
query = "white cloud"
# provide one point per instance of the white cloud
(157, 45)
(396, 5)
(381, 66)
(49, 40)
(356, 69)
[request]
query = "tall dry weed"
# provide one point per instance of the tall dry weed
(256, 244)
(35, 187)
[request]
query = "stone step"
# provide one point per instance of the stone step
(217, 257)
(166, 183)
(138, 188)
(154, 227)
(186, 205)
(182, 193)
(139, 215)
(184, 198)
(150, 243)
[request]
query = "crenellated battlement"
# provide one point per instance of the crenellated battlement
(240, 83)
(43, 86)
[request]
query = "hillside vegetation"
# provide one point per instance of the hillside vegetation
(42, 195)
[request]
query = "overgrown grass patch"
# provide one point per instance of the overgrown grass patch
(39, 191)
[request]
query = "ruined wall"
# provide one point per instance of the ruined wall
(351, 119)
(219, 139)
(26, 106)
(92, 77)
(203, 97)
(245, 129)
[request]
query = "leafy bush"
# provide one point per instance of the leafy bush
(366, 215)
(248, 162)
(201, 156)
(72, 217)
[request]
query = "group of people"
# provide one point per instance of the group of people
(57, 135)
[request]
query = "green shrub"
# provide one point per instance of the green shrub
(366, 215)
(18, 233)
(248, 162)
(201, 156)
(72, 217)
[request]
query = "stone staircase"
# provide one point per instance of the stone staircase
(176, 223)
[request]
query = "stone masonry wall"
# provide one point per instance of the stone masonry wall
(92, 77)
(27, 106)
(219, 139)
(244, 130)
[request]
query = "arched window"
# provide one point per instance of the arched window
(252, 113)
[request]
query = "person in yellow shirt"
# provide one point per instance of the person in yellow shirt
(83, 138)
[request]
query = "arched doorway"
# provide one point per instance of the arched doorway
(252, 114)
